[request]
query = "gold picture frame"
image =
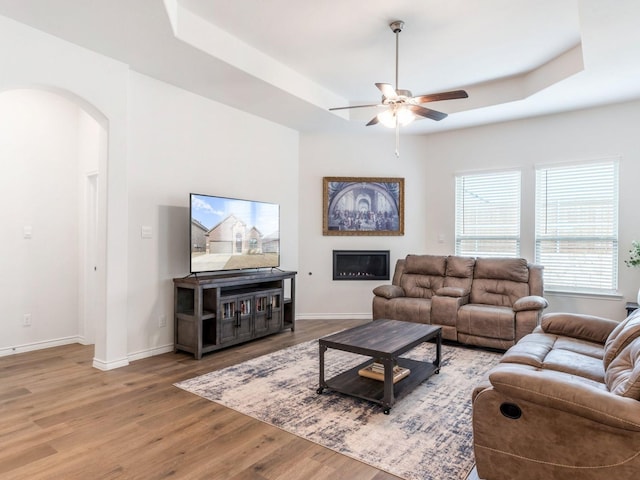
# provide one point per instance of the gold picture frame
(362, 206)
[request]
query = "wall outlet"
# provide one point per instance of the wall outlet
(162, 321)
(26, 320)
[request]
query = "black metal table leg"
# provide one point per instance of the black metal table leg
(321, 384)
(388, 399)
(438, 359)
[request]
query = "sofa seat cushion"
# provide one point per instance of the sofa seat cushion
(409, 309)
(583, 347)
(621, 336)
(486, 321)
(574, 363)
(531, 350)
(623, 374)
(561, 354)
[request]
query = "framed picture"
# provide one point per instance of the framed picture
(362, 206)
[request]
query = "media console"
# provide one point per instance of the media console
(216, 311)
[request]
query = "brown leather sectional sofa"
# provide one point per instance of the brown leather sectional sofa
(563, 403)
(489, 302)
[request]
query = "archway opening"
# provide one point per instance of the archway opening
(54, 149)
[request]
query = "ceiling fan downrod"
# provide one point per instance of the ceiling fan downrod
(396, 27)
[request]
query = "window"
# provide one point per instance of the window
(577, 226)
(488, 214)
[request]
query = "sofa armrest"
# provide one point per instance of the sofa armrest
(559, 391)
(575, 325)
(452, 292)
(530, 302)
(389, 291)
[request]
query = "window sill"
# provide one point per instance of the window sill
(614, 297)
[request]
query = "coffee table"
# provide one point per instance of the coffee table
(384, 341)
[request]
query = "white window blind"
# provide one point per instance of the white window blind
(488, 214)
(577, 226)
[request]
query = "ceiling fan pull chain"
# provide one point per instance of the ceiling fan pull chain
(397, 139)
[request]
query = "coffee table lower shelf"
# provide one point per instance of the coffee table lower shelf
(351, 383)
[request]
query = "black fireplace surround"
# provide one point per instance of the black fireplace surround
(361, 264)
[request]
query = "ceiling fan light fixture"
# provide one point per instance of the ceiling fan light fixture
(405, 116)
(400, 115)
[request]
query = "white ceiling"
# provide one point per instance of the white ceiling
(290, 60)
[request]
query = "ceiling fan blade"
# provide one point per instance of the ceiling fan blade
(435, 97)
(373, 121)
(427, 112)
(356, 106)
(387, 90)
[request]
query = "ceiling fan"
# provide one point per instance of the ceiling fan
(401, 107)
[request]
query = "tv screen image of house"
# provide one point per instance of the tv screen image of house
(233, 234)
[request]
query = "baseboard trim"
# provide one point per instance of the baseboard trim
(150, 352)
(131, 357)
(334, 316)
(97, 363)
(30, 347)
(106, 366)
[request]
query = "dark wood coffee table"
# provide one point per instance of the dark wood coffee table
(384, 341)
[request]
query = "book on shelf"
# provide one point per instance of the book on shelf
(376, 372)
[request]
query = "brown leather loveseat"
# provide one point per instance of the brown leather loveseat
(563, 403)
(489, 302)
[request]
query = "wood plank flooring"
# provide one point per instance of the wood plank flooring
(62, 419)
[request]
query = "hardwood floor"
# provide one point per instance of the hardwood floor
(61, 418)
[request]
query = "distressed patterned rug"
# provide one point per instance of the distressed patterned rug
(426, 436)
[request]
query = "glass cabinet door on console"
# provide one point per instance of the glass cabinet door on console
(268, 315)
(237, 317)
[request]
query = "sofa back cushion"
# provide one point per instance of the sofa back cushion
(423, 275)
(536, 280)
(499, 281)
(621, 336)
(426, 264)
(399, 271)
(459, 272)
(623, 374)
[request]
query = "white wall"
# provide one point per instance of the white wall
(31, 58)
(353, 156)
(429, 164)
(181, 143)
(38, 185)
(162, 143)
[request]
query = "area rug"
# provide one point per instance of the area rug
(426, 436)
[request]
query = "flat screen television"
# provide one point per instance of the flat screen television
(233, 234)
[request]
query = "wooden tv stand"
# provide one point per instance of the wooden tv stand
(215, 311)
